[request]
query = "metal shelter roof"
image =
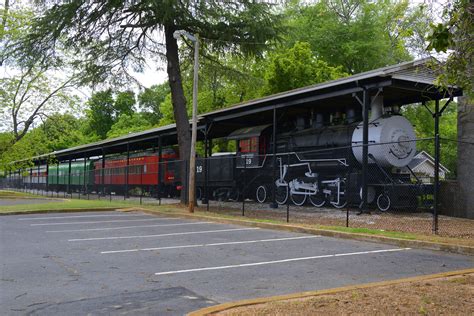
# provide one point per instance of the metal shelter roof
(401, 84)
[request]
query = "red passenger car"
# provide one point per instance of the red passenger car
(142, 172)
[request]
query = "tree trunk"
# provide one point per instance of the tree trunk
(179, 103)
(465, 167)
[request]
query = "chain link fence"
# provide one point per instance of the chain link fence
(326, 187)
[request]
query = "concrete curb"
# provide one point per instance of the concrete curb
(226, 306)
(404, 243)
(65, 210)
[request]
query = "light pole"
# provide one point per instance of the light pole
(192, 154)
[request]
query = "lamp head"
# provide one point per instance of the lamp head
(178, 33)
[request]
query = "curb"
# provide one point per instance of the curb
(223, 307)
(404, 243)
(64, 210)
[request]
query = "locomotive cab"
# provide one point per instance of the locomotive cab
(252, 145)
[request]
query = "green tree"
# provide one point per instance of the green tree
(298, 67)
(150, 100)
(126, 124)
(124, 103)
(358, 35)
(456, 33)
(100, 113)
(423, 121)
(29, 92)
(63, 131)
(32, 144)
(105, 109)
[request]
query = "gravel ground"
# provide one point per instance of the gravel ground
(408, 222)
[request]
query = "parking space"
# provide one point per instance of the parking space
(107, 262)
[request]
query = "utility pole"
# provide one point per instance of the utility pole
(192, 154)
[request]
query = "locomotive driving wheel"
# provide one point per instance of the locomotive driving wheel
(318, 199)
(261, 194)
(383, 202)
(298, 199)
(281, 194)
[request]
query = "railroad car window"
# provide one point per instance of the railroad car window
(248, 145)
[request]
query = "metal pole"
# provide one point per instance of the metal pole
(31, 177)
(365, 148)
(209, 155)
(47, 177)
(437, 114)
(192, 155)
(85, 171)
(69, 178)
(204, 199)
(103, 172)
(160, 178)
(127, 172)
(274, 204)
(288, 199)
(245, 183)
(57, 179)
(141, 182)
(38, 180)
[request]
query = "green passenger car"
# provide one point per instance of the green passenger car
(78, 173)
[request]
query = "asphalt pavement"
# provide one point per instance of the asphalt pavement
(106, 263)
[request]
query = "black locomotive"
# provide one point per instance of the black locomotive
(319, 163)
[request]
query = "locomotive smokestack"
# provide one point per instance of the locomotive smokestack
(350, 115)
(376, 107)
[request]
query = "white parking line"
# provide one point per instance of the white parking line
(164, 235)
(281, 261)
(123, 227)
(77, 216)
(209, 245)
(113, 221)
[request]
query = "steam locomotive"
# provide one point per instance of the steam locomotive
(319, 163)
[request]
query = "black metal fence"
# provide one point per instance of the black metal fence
(324, 188)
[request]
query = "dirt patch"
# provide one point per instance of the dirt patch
(401, 221)
(442, 296)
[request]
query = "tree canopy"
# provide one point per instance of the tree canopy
(298, 67)
(29, 92)
(456, 33)
(356, 35)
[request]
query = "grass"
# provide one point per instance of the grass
(369, 231)
(63, 204)
(6, 194)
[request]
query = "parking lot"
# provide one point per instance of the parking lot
(115, 262)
